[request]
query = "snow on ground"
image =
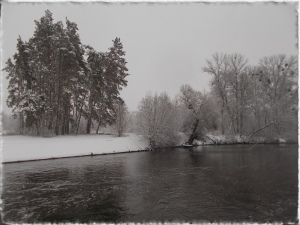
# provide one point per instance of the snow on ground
(18, 147)
(197, 142)
(281, 140)
(216, 138)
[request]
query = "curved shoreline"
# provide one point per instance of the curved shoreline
(25, 149)
(75, 156)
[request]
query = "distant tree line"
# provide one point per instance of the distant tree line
(252, 100)
(59, 85)
(244, 101)
(55, 80)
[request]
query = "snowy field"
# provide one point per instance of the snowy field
(17, 147)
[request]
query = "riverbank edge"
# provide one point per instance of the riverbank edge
(236, 143)
(148, 149)
(74, 156)
(12, 153)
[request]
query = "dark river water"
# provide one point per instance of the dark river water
(234, 183)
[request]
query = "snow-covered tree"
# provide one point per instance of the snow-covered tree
(120, 124)
(107, 76)
(275, 101)
(255, 99)
(156, 120)
(54, 80)
(230, 85)
(199, 114)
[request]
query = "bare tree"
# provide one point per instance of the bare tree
(229, 83)
(276, 81)
(121, 119)
(131, 121)
(200, 115)
(261, 99)
(156, 120)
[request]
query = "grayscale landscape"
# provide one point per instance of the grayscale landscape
(149, 112)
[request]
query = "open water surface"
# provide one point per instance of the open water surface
(241, 183)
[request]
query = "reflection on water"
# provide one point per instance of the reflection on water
(211, 183)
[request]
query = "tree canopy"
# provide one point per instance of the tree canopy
(55, 80)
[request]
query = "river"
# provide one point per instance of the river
(233, 183)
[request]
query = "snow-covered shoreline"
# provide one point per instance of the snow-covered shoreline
(236, 139)
(28, 148)
(18, 148)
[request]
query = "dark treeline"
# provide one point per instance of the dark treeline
(55, 81)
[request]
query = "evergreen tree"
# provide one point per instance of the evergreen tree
(54, 80)
(106, 79)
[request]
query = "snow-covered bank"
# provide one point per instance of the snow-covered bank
(22, 148)
(228, 140)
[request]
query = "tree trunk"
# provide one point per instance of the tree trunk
(67, 127)
(37, 128)
(50, 125)
(241, 125)
(78, 124)
(58, 97)
(98, 124)
(193, 135)
(237, 124)
(88, 126)
(222, 118)
(57, 130)
(63, 126)
(22, 122)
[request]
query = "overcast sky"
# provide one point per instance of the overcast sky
(166, 44)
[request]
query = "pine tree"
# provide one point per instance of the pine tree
(107, 77)
(54, 79)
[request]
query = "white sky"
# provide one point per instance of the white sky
(166, 44)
